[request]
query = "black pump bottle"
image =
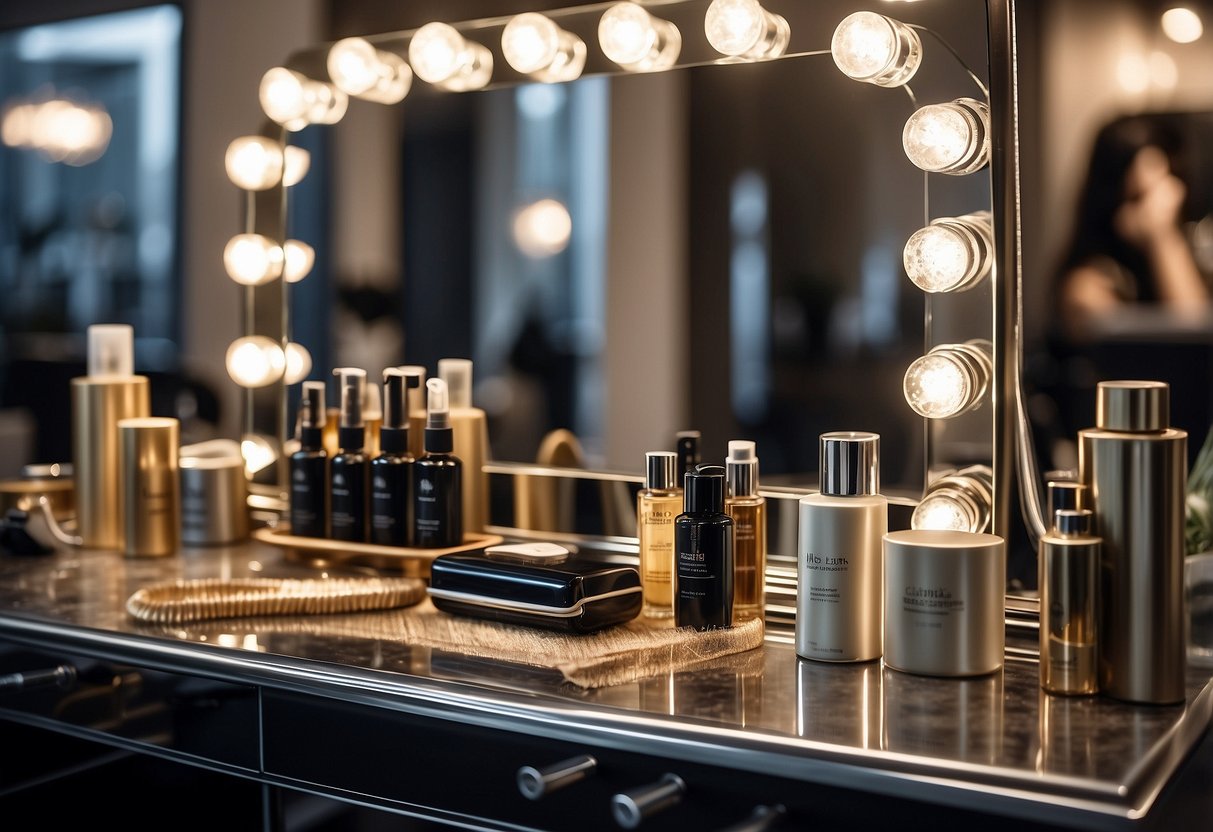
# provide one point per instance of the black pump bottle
(438, 478)
(392, 470)
(350, 468)
(309, 467)
(703, 546)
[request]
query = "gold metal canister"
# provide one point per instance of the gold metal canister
(151, 496)
(98, 404)
(1069, 596)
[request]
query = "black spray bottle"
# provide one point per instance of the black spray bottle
(438, 478)
(392, 470)
(350, 468)
(310, 467)
(703, 545)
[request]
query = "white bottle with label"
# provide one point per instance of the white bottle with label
(838, 596)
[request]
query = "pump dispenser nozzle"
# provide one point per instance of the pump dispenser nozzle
(439, 437)
(352, 430)
(742, 467)
(111, 350)
(312, 417)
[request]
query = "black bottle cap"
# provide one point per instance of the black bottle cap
(351, 439)
(704, 490)
(311, 439)
(394, 440)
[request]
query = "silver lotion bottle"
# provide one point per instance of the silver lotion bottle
(838, 597)
(1135, 469)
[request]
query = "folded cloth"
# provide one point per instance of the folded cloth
(177, 602)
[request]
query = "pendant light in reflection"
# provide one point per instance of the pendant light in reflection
(636, 40)
(534, 45)
(949, 380)
(255, 361)
(252, 259)
(744, 29)
(441, 56)
(875, 49)
(951, 254)
(359, 69)
(953, 137)
(295, 101)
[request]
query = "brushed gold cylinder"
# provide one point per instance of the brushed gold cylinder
(98, 403)
(1069, 592)
(1137, 483)
(151, 494)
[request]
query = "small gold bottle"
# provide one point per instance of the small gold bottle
(748, 509)
(658, 503)
(1069, 592)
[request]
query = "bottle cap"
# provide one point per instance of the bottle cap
(850, 463)
(686, 443)
(351, 433)
(312, 416)
(704, 490)
(1132, 406)
(1074, 523)
(111, 350)
(741, 466)
(660, 472)
(439, 437)
(1064, 494)
(457, 373)
(394, 432)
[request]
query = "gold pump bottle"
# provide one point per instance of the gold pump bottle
(109, 393)
(748, 509)
(1135, 469)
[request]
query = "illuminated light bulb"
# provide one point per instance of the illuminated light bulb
(744, 29)
(636, 40)
(958, 501)
(295, 101)
(534, 45)
(251, 259)
(296, 164)
(1182, 25)
(445, 58)
(951, 254)
(300, 257)
(258, 453)
(16, 130)
(949, 380)
(255, 361)
(1164, 75)
(543, 228)
(254, 163)
(953, 137)
(875, 49)
(358, 68)
(298, 363)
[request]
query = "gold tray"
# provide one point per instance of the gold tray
(321, 552)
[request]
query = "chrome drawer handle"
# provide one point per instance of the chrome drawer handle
(534, 783)
(632, 807)
(63, 676)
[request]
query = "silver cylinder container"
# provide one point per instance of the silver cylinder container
(214, 494)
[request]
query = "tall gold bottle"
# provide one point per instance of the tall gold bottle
(471, 441)
(748, 509)
(109, 393)
(657, 504)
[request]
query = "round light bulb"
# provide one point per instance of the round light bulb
(534, 45)
(443, 57)
(949, 380)
(295, 101)
(953, 137)
(637, 41)
(876, 49)
(300, 257)
(1182, 25)
(543, 228)
(254, 163)
(956, 501)
(258, 453)
(251, 259)
(255, 361)
(358, 68)
(297, 162)
(950, 254)
(941, 512)
(744, 29)
(298, 363)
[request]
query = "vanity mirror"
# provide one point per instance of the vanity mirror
(815, 229)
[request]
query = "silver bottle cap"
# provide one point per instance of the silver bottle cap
(850, 464)
(660, 471)
(741, 467)
(1073, 522)
(1132, 406)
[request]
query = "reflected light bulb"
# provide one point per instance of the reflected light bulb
(636, 40)
(443, 57)
(941, 513)
(298, 363)
(300, 257)
(255, 361)
(358, 68)
(534, 45)
(258, 453)
(875, 49)
(254, 163)
(543, 228)
(950, 254)
(957, 501)
(251, 259)
(296, 164)
(295, 101)
(949, 380)
(1182, 25)
(744, 29)
(953, 137)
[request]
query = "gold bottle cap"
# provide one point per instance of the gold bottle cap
(1132, 406)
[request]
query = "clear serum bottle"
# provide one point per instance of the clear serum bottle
(392, 469)
(309, 467)
(748, 509)
(839, 603)
(703, 549)
(349, 471)
(657, 504)
(437, 478)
